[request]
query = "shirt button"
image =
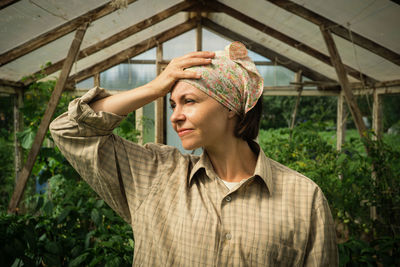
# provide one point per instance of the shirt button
(228, 198)
(228, 236)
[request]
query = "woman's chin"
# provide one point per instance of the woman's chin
(190, 145)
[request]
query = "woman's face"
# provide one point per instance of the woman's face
(199, 120)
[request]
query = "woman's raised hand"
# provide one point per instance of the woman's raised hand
(130, 100)
(176, 70)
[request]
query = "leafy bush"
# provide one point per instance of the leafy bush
(348, 183)
(68, 225)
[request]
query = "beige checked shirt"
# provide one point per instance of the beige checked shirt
(182, 214)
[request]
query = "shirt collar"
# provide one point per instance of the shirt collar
(262, 170)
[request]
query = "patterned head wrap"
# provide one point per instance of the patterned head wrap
(231, 78)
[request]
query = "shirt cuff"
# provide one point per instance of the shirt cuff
(80, 111)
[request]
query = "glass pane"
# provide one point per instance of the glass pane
(179, 46)
(149, 54)
(276, 75)
(127, 76)
(148, 123)
(86, 84)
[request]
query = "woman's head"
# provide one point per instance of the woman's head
(233, 82)
(231, 78)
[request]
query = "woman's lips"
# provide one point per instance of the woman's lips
(184, 132)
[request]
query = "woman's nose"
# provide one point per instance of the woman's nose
(177, 115)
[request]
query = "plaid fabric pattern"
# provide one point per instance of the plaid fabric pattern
(180, 211)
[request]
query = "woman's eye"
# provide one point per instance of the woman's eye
(172, 106)
(188, 100)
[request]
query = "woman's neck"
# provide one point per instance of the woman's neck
(233, 160)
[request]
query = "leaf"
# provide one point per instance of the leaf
(95, 215)
(99, 203)
(48, 207)
(87, 239)
(26, 138)
(52, 247)
(63, 214)
(341, 159)
(78, 260)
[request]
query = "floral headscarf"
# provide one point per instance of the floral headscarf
(231, 78)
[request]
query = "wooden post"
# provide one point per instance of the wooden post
(41, 133)
(377, 123)
(139, 124)
(18, 126)
(97, 79)
(340, 122)
(299, 88)
(160, 103)
(199, 33)
(344, 82)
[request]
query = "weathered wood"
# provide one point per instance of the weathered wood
(56, 33)
(297, 78)
(377, 114)
(96, 77)
(133, 51)
(10, 90)
(160, 104)
(144, 24)
(6, 3)
(18, 127)
(264, 51)
(44, 124)
(340, 122)
(344, 82)
(11, 83)
(286, 39)
(339, 30)
(199, 33)
(291, 91)
(139, 124)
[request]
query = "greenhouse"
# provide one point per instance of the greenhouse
(331, 112)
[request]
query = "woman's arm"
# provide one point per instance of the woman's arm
(126, 102)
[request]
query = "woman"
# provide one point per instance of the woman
(232, 206)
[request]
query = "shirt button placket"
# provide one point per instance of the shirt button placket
(228, 198)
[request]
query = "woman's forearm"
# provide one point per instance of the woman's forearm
(126, 102)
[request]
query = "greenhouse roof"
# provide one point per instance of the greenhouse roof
(366, 33)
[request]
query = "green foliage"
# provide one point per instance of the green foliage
(277, 110)
(347, 180)
(6, 172)
(68, 225)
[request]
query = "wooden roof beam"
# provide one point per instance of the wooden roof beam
(287, 40)
(56, 33)
(266, 52)
(338, 30)
(6, 3)
(144, 24)
(133, 51)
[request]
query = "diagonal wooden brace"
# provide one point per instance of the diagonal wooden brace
(44, 125)
(344, 82)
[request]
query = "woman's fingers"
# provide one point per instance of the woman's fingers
(187, 74)
(200, 54)
(190, 62)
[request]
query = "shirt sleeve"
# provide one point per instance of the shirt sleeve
(321, 246)
(121, 172)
